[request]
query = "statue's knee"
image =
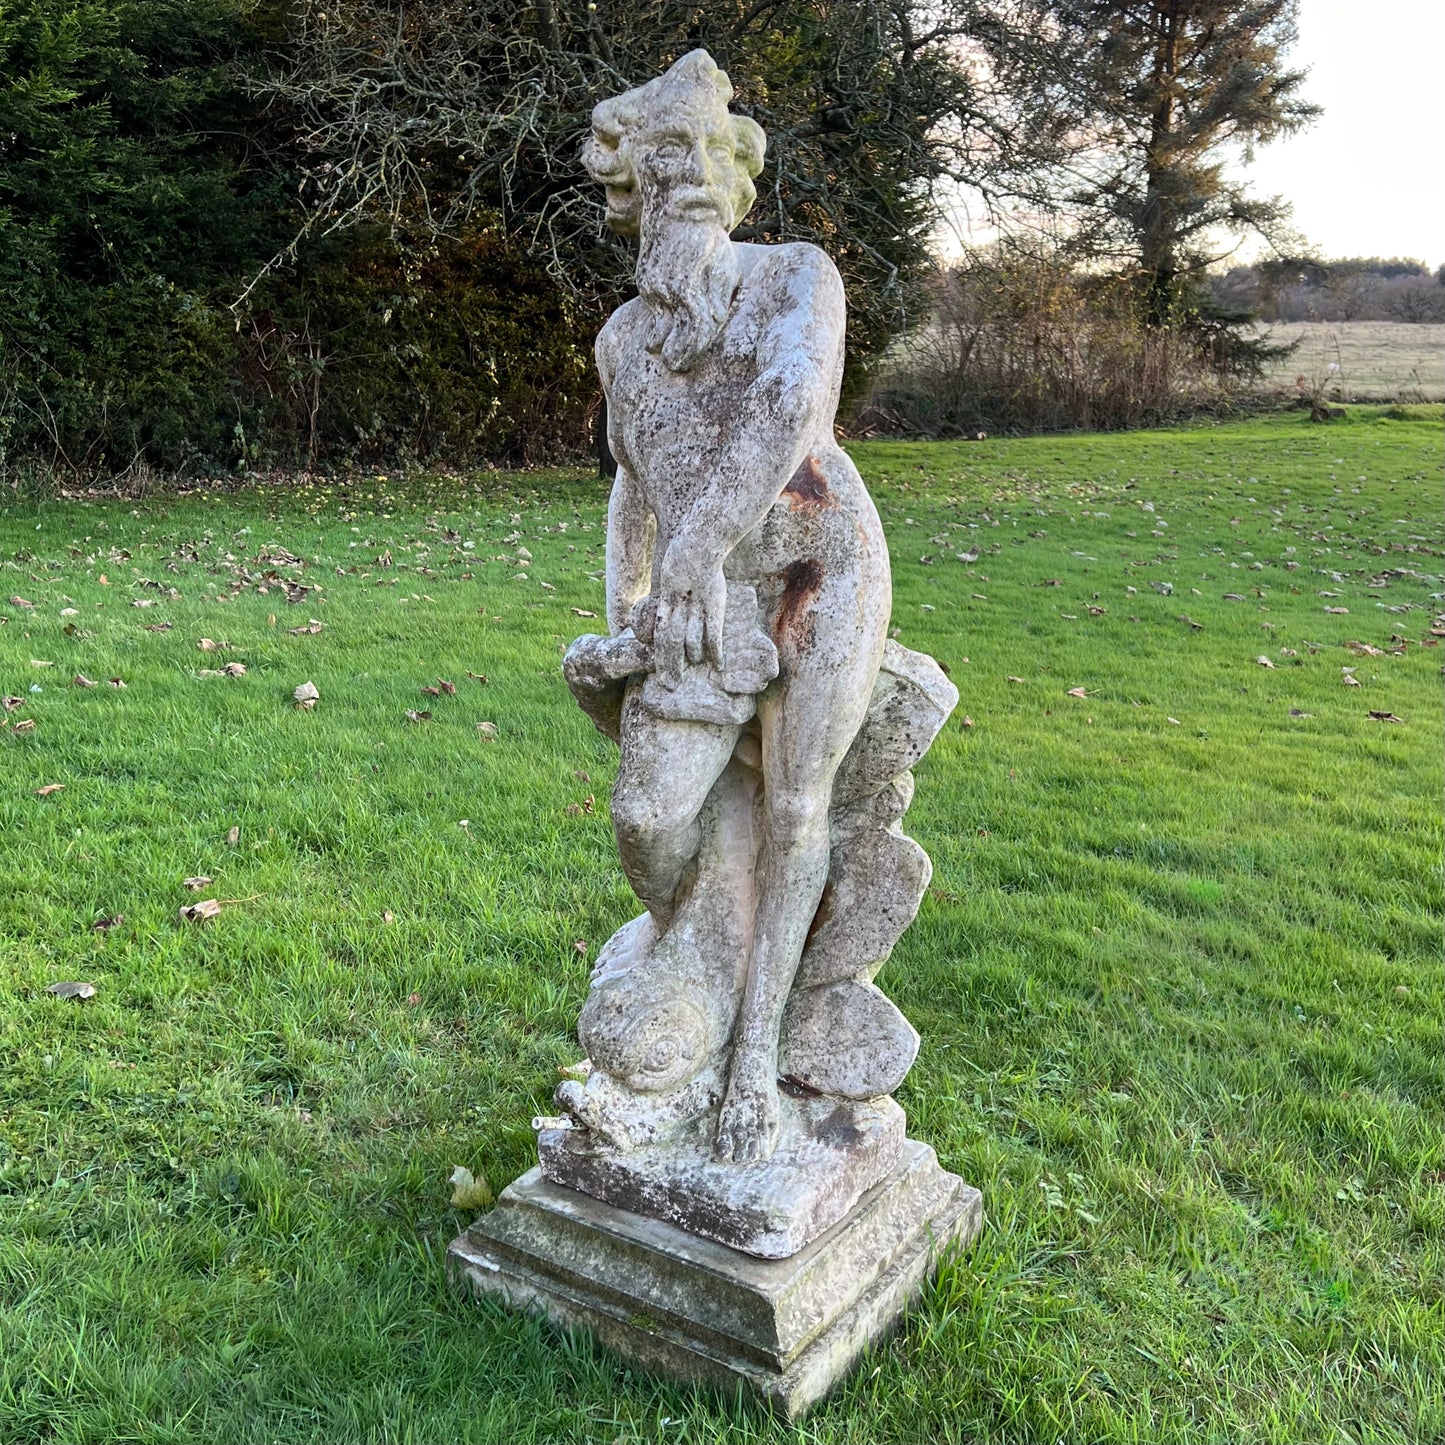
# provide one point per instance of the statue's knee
(796, 820)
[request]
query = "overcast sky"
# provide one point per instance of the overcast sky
(1366, 178)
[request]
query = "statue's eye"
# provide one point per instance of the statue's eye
(720, 151)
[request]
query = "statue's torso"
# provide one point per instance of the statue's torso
(667, 428)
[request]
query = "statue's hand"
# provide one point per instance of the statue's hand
(691, 603)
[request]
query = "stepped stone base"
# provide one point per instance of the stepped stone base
(786, 1329)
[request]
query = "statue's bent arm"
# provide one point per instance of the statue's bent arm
(631, 531)
(779, 419)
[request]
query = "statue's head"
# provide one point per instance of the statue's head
(679, 171)
(673, 145)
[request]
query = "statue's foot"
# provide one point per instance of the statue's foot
(748, 1122)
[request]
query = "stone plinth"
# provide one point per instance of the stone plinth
(832, 1152)
(666, 1300)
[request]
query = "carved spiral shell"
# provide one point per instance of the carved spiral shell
(649, 1042)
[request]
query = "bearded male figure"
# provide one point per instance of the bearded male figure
(722, 381)
(729, 1193)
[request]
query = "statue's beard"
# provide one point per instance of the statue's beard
(687, 272)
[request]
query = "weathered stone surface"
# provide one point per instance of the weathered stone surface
(785, 1329)
(832, 1151)
(846, 1038)
(692, 1215)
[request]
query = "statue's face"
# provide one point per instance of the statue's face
(686, 166)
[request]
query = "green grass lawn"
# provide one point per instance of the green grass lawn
(1178, 977)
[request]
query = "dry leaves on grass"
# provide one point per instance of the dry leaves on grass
(104, 925)
(206, 644)
(479, 677)
(71, 989)
(11, 703)
(413, 716)
(487, 731)
(233, 837)
(1351, 681)
(48, 789)
(469, 1192)
(25, 725)
(1078, 692)
(117, 682)
(81, 680)
(231, 669)
(583, 612)
(450, 688)
(310, 630)
(306, 695)
(1339, 611)
(197, 883)
(967, 721)
(1387, 717)
(200, 912)
(20, 602)
(1012, 678)
(160, 626)
(1263, 661)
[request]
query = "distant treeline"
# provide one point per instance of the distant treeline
(1356, 288)
(251, 234)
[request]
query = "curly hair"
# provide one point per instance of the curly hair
(606, 153)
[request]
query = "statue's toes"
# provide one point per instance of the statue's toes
(747, 1126)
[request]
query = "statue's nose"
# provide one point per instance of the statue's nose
(698, 169)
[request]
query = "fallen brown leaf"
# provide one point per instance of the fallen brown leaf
(234, 669)
(81, 680)
(48, 789)
(1175, 721)
(11, 703)
(431, 691)
(197, 883)
(20, 602)
(412, 715)
(450, 688)
(306, 695)
(25, 725)
(206, 645)
(967, 721)
(310, 630)
(1385, 717)
(160, 626)
(387, 916)
(104, 925)
(1078, 692)
(1340, 611)
(583, 612)
(1351, 681)
(487, 731)
(71, 990)
(480, 677)
(1263, 661)
(200, 912)
(1014, 679)
(233, 837)
(117, 682)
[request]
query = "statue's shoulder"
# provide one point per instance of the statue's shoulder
(614, 331)
(797, 270)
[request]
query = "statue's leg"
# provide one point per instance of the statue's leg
(665, 775)
(809, 719)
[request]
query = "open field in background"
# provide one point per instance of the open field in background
(1178, 976)
(1375, 360)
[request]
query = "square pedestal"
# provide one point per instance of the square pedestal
(786, 1329)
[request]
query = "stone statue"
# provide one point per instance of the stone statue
(748, 597)
(740, 1057)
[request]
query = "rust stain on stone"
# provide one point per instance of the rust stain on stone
(808, 486)
(801, 582)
